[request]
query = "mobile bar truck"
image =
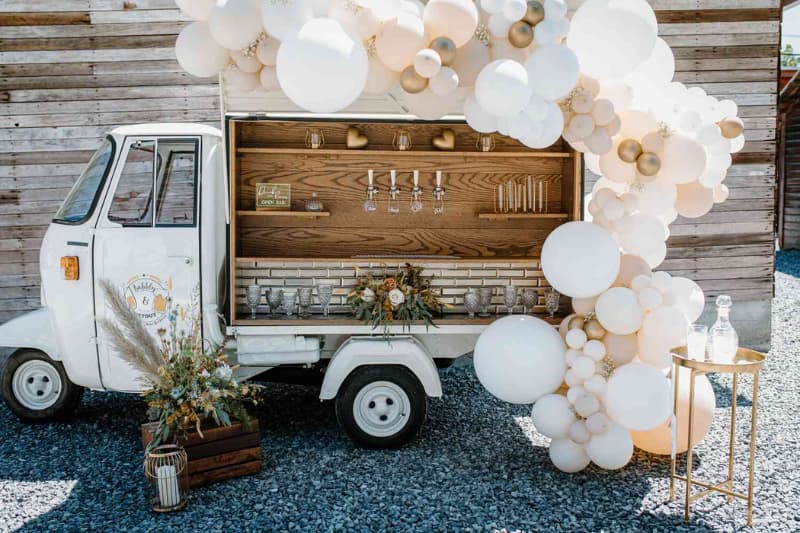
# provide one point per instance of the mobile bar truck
(175, 212)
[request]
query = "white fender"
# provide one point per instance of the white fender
(368, 351)
(31, 330)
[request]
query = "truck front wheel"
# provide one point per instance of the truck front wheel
(381, 406)
(36, 388)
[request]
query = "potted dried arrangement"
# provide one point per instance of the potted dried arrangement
(193, 397)
(404, 296)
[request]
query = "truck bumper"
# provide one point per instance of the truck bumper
(31, 330)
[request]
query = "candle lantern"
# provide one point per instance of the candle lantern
(402, 140)
(315, 139)
(167, 476)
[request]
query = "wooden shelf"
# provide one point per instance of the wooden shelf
(391, 260)
(398, 153)
(345, 320)
(506, 216)
(297, 214)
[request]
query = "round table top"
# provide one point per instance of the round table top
(745, 360)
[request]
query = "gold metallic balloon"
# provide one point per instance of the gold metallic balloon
(731, 127)
(535, 13)
(629, 150)
(446, 49)
(412, 82)
(648, 164)
(594, 330)
(520, 34)
(575, 323)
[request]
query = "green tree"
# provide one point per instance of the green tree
(788, 57)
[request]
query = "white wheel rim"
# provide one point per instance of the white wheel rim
(381, 408)
(36, 385)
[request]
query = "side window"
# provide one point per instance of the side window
(132, 204)
(176, 182)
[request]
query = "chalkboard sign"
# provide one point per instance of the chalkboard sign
(273, 196)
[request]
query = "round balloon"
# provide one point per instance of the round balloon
(693, 200)
(267, 51)
(445, 82)
(550, 130)
(580, 259)
(667, 324)
(638, 397)
(620, 348)
(198, 53)
(611, 449)
(568, 456)
(322, 68)
(381, 78)
(553, 71)
(641, 234)
(552, 416)
(520, 358)
(631, 266)
(234, 24)
(502, 88)
(618, 311)
(399, 40)
(683, 159)
(197, 9)
(427, 105)
(689, 297)
(455, 19)
(285, 18)
(470, 60)
(477, 117)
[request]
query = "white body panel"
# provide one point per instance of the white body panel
(31, 330)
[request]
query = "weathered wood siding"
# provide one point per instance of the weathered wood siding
(790, 197)
(70, 70)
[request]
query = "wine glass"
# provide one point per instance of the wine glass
(471, 302)
(274, 298)
(325, 293)
(253, 298)
(304, 299)
(510, 297)
(289, 302)
(529, 299)
(485, 299)
(552, 299)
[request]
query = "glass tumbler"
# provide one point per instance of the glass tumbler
(485, 299)
(304, 299)
(510, 297)
(529, 299)
(325, 293)
(552, 298)
(289, 302)
(275, 300)
(472, 302)
(696, 341)
(253, 298)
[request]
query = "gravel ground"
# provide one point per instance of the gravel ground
(477, 466)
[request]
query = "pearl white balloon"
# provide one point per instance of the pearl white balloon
(578, 432)
(574, 393)
(517, 373)
(618, 311)
(322, 68)
(596, 385)
(689, 297)
(245, 63)
(572, 355)
(611, 449)
(551, 127)
(693, 200)
(580, 259)
(381, 78)
(492, 6)
(597, 423)
(455, 19)
(656, 257)
(653, 352)
(445, 83)
(666, 324)
(659, 68)
(399, 40)
(498, 26)
(640, 234)
(198, 53)
(583, 366)
(552, 416)
(571, 379)
(631, 266)
(427, 63)
(581, 126)
(197, 9)
(478, 118)
(576, 338)
(553, 71)
(595, 350)
(269, 79)
(568, 456)
(234, 23)
(721, 193)
(587, 405)
(650, 298)
(656, 196)
(614, 209)
(502, 88)
(514, 10)
(427, 105)
(239, 80)
(267, 51)
(638, 397)
(470, 60)
(284, 19)
(682, 160)
(367, 23)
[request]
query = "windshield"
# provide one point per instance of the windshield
(81, 199)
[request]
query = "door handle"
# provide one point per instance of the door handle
(185, 258)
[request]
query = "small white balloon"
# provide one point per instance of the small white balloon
(597, 424)
(581, 126)
(574, 393)
(571, 379)
(454, 19)
(595, 350)
(667, 324)
(721, 193)
(267, 51)
(583, 367)
(571, 356)
(568, 456)
(552, 416)
(596, 385)
(398, 40)
(576, 338)
(514, 10)
(587, 405)
(284, 19)
(603, 112)
(269, 79)
(445, 82)
(234, 24)
(611, 449)
(618, 311)
(578, 432)
(427, 63)
(245, 63)
(498, 25)
(198, 53)
(550, 129)
(638, 397)
(583, 306)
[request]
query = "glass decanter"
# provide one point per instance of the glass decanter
(313, 203)
(394, 193)
(723, 340)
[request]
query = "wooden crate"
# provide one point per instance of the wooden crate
(223, 452)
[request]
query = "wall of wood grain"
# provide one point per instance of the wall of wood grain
(70, 70)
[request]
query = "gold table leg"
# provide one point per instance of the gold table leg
(731, 450)
(675, 383)
(752, 451)
(688, 502)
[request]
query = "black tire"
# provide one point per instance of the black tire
(361, 378)
(68, 394)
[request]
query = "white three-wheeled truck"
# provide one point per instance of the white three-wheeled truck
(166, 212)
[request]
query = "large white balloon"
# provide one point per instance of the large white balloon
(285, 18)
(568, 456)
(659, 68)
(520, 358)
(502, 88)
(689, 297)
(611, 450)
(198, 53)
(618, 311)
(683, 159)
(477, 117)
(640, 234)
(610, 40)
(580, 259)
(235, 23)
(638, 397)
(455, 19)
(197, 9)
(399, 40)
(322, 68)
(552, 416)
(551, 127)
(553, 71)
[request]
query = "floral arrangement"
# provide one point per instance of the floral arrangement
(405, 296)
(188, 383)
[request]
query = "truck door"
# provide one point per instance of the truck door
(146, 241)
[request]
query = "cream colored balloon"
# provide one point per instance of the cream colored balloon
(683, 159)
(470, 59)
(659, 440)
(249, 64)
(584, 306)
(621, 348)
(653, 352)
(427, 63)
(197, 9)
(399, 40)
(269, 79)
(455, 19)
(721, 193)
(267, 51)
(380, 78)
(631, 266)
(239, 80)
(614, 168)
(581, 126)
(694, 200)
(603, 112)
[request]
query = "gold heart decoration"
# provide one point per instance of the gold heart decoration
(445, 141)
(355, 139)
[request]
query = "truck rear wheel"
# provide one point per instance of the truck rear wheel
(36, 388)
(381, 406)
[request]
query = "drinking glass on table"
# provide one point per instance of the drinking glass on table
(275, 299)
(529, 299)
(325, 293)
(696, 340)
(253, 298)
(289, 302)
(304, 299)
(510, 295)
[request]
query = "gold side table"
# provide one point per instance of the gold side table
(744, 362)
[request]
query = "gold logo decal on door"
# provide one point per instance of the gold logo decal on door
(149, 297)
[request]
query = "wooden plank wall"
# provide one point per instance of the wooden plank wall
(69, 70)
(790, 208)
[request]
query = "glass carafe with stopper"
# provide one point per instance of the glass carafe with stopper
(722, 338)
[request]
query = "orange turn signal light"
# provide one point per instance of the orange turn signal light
(69, 264)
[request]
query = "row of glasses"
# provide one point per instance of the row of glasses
(288, 300)
(479, 301)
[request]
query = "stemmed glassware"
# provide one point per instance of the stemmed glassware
(289, 302)
(471, 302)
(274, 298)
(325, 293)
(510, 297)
(552, 299)
(485, 298)
(253, 298)
(529, 299)
(304, 300)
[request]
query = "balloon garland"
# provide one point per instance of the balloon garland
(593, 72)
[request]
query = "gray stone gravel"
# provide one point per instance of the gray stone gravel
(477, 466)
